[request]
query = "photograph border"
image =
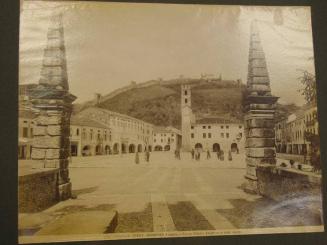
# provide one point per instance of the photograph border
(9, 125)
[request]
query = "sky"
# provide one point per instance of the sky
(108, 45)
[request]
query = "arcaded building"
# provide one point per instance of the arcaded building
(125, 134)
(213, 134)
(291, 132)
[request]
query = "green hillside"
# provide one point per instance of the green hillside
(160, 104)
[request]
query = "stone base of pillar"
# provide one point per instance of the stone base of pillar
(251, 184)
(65, 191)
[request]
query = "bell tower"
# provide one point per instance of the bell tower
(186, 112)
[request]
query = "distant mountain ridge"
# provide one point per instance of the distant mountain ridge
(158, 101)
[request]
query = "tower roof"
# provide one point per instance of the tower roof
(258, 78)
(54, 68)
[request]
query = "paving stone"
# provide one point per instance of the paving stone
(84, 222)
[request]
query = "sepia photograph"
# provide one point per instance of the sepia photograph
(151, 120)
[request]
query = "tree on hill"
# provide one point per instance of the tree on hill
(309, 91)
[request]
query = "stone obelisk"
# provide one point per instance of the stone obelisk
(260, 108)
(52, 103)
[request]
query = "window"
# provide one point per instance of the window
(222, 135)
(240, 126)
(192, 127)
(221, 126)
(209, 127)
(227, 135)
(83, 134)
(209, 135)
(31, 135)
(185, 92)
(227, 126)
(154, 140)
(25, 132)
(77, 132)
(192, 135)
(185, 101)
(204, 135)
(203, 126)
(161, 140)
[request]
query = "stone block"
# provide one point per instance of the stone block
(53, 153)
(63, 163)
(259, 71)
(51, 163)
(39, 130)
(251, 170)
(65, 191)
(48, 120)
(64, 175)
(259, 123)
(257, 161)
(47, 142)
(38, 153)
(259, 142)
(262, 106)
(54, 130)
(260, 80)
(81, 223)
(260, 152)
(260, 133)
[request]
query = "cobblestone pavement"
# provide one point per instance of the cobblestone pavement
(207, 185)
(165, 194)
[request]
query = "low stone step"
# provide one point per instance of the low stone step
(83, 222)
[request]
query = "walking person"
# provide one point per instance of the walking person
(147, 156)
(208, 155)
(192, 153)
(137, 158)
(230, 158)
(178, 154)
(222, 157)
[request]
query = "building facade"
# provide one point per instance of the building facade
(25, 132)
(291, 132)
(126, 134)
(213, 134)
(166, 139)
(88, 137)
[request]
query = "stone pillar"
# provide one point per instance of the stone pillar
(52, 103)
(260, 108)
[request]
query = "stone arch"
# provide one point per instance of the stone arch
(98, 150)
(139, 148)
(215, 147)
(167, 148)
(123, 148)
(131, 148)
(107, 149)
(158, 148)
(198, 146)
(116, 148)
(86, 151)
(233, 147)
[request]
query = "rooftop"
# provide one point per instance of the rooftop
(216, 120)
(83, 121)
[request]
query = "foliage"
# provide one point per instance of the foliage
(310, 89)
